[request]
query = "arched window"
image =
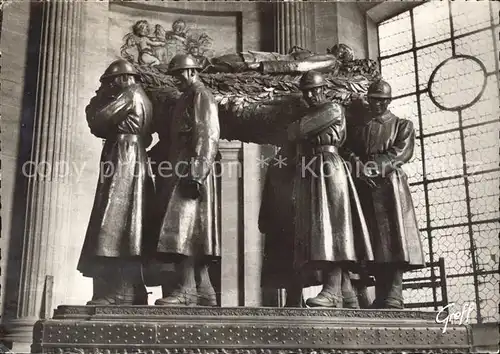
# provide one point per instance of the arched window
(441, 59)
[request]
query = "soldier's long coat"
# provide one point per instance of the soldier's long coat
(190, 226)
(318, 196)
(388, 142)
(329, 222)
(116, 226)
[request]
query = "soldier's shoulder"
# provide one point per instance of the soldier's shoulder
(333, 106)
(403, 123)
(203, 92)
(138, 90)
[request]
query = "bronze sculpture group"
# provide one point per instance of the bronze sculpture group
(338, 212)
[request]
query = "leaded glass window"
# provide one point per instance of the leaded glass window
(441, 59)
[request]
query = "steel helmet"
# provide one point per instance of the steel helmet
(183, 61)
(310, 80)
(380, 89)
(119, 67)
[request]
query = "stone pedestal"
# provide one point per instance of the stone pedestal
(46, 233)
(141, 329)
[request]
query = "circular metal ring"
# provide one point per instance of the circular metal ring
(444, 62)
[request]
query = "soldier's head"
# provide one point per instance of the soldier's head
(379, 97)
(184, 68)
(312, 84)
(119, 74)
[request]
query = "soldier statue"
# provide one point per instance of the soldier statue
(187, 199)
(378, 144)
(120, 113)
(329, 231)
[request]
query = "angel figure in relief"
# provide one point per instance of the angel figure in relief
(142, 40)
(179, 31)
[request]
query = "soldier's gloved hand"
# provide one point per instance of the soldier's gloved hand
(370, 182)
(190, 189)
(365, 173)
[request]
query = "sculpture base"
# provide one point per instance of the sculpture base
(150, 329)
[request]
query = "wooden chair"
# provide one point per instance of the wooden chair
(432, 282)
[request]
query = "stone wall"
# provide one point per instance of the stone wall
(345, 22)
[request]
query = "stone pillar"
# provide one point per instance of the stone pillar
(291, 26)
(49, 188)
(231, 221)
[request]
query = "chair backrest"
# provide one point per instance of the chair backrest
(436, 280)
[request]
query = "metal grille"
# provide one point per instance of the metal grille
(441, 60)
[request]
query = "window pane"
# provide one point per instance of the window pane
(489, 297)
(488, 106)
(453, 244)
(432, 22)
(482, 145)
(435, 119)
(470, 16)
(429, 58)
(461, 293)
(457, 82)
(487, 245)
(484, 192)
(443, 155)
(406, 107)
(447, 204)
(395, 34)
(495, 11)
(399, 71)
(479, 45)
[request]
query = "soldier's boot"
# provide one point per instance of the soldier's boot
(100, 287)
(330, 294)
(121, 287)
(349, 296)
(204, 288)
(394, 299)
(185, 293)
(294, 296)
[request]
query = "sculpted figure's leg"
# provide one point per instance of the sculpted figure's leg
(206, 292)
(382, 285)
(349, 296)
(123, 286)
(185, 292)
(147, 58)
(99, 285)
(330, 295)
(395, 294)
